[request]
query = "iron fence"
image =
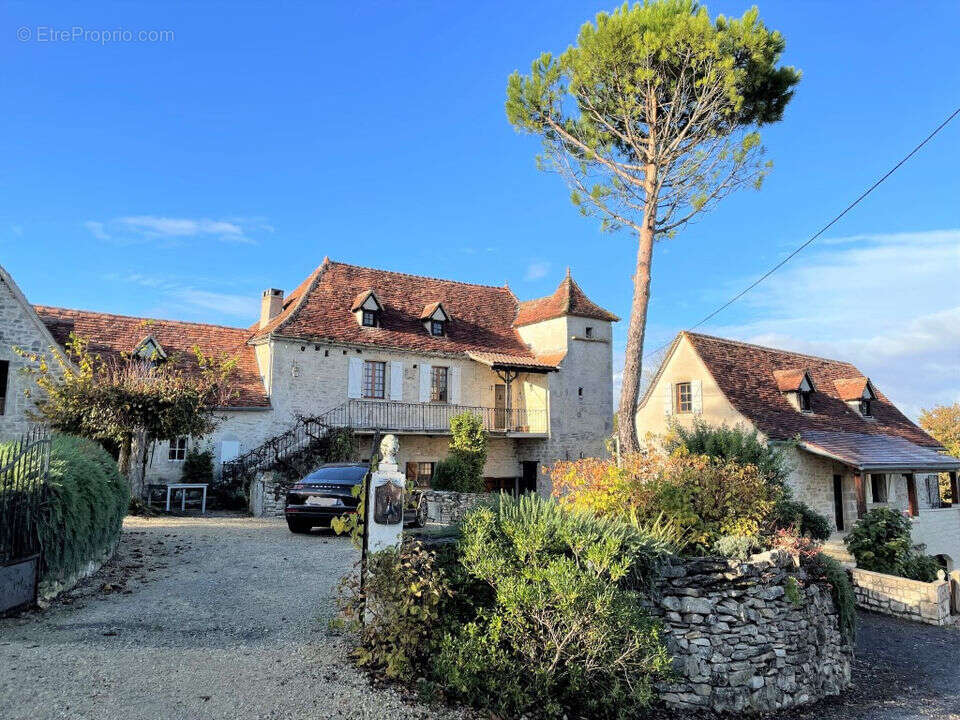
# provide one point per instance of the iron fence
(24, 464)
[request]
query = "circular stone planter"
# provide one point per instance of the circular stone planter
(749, 637)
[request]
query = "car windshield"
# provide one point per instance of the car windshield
(342, 475)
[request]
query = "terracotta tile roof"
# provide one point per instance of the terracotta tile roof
(567, 299)
(877, 452)
(120, 334)
(789, 380)
(850, 388)
(319, 309)
(513, 361)
(744, 373)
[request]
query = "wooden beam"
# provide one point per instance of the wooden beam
(912, 494)
(861, 491)
(954, 489)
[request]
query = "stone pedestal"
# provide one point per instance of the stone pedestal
(385, 501)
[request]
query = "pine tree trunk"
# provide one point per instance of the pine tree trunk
(633, 361)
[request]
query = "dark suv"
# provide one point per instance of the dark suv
(322, 495)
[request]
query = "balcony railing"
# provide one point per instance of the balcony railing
(391, 416)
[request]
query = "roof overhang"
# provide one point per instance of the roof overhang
(498, 361)
(877, 453)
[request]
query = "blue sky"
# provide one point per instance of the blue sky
(179, 178)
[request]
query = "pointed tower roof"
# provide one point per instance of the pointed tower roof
(567, 299)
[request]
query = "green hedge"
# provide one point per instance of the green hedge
(84, 506)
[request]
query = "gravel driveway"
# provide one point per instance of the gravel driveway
(196, 617)
(227, 618)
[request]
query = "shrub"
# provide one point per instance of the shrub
(801, 518)
(736, 444)
(198, 466)
(462, 469)
(735, 547)
(706, 498)
(458, 474)
(84, 508)
(567, 633)
(880, 541)
(406, 591)
(824, 567)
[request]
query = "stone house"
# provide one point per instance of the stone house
(380, 350)
(850, 448)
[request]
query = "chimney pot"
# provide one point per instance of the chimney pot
(270, 305)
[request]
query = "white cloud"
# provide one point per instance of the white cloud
(143, 228)
(537, 270)
(96, 229)
(182, 296)
(887, 303)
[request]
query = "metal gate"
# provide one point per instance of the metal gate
(24, 465)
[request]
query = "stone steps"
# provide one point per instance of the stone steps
(835, 548)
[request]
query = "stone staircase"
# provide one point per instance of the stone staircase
(835, 548)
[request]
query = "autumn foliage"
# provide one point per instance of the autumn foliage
(706, 497)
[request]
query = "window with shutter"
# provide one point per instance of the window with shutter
(374, 382)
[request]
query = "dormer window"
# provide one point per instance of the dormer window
(859, 395)
(435, 318)
(797, 388)
(150, 350)
(367, 308)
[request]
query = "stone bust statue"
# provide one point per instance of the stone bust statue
(388, 450)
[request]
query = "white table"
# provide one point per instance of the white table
(183, 496)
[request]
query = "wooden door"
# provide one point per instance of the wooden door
(500, 407)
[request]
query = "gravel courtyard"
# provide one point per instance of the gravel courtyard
(196, 617)
(226, 617)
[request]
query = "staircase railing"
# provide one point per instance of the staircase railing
(385, 416)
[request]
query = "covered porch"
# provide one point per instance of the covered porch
(889, 471)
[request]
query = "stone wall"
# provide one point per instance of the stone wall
(446, 508)
(748, 639)
(910, 599)
(263, 497)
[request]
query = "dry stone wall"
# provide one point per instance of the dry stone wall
(446, 508)
(749, 637)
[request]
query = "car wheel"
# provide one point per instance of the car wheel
(299, 526)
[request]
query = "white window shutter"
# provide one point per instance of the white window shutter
(229, 449)
(355, 378)
(668, 399)
(396, 380)
(454, 389)
(424, 382)
(696, 390)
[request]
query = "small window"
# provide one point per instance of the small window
(369, 318)
(4, 371)
(436, 327)
(438, 384)
(878, 484)
(683, 397)
(374, 373)
(579, 392)
(589, 332)
(865, 408)
(178, 449)
(804, 400)
(420, 474)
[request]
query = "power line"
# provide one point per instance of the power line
(820, 232)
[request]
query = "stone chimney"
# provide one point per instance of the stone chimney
(270, 305)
